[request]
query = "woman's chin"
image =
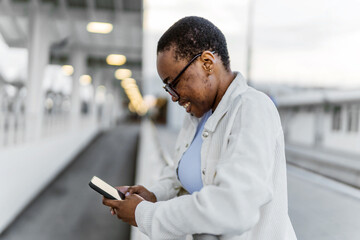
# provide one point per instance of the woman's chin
(197, 114)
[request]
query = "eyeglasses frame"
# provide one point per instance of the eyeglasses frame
(170, 87)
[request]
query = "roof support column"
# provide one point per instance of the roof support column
(39, 49)
(319, 126)
(94, 104)
(78, 60)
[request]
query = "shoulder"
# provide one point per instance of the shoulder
(256, 98)
(240, 94)
(253, 104)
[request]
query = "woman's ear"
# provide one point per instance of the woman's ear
(207, 66)
(208, 60)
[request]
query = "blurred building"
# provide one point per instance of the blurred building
(324, 125)
(322, 119)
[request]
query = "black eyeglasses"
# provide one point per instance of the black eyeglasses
(170, 87)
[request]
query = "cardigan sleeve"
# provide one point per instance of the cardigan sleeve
(168, 185)
(242, 185)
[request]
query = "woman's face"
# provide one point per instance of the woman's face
(196, 87)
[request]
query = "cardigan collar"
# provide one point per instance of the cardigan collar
(236, 88)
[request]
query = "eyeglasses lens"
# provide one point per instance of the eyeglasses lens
(171, 91)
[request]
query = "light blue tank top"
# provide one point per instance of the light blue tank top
(189, 169)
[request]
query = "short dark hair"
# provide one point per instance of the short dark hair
(192, 35)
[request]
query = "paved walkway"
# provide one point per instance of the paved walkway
(68, 208)
(320, 208)
(338, 165)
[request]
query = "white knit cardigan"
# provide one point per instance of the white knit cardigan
(243, 172)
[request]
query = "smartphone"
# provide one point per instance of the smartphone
(105, 189)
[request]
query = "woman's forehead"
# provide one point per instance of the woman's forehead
(166, 62)
(167, 55)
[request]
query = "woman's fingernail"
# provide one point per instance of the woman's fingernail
(127, 194)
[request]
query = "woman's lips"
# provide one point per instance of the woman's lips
(187, 106)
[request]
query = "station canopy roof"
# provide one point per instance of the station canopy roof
(67, 22)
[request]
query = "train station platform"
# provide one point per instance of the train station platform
(319, 208)
(68, 208)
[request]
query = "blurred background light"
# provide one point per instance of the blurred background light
(101, 88)
(116, 59)
(99, 27)
(100, 96)
(150, 100)
(128, 81)
(131, 108)
(85, 80)
(68, 70)
(122, 73)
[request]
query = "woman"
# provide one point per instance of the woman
(229, 154)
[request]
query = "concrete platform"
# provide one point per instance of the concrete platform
(319, 208)
(68, 208)
(341, 166)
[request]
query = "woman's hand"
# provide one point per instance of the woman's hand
(139, 190)
(142, 191)
(124, 209)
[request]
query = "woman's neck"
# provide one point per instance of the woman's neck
(225, 79)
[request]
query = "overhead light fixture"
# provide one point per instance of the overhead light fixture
(116, 59)
(137, 103)
(85, 80)
(122, 73)
(68, 70)
(128, 83)
(99, 27)
(131, 107)
(101, 88)
(100, 95)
